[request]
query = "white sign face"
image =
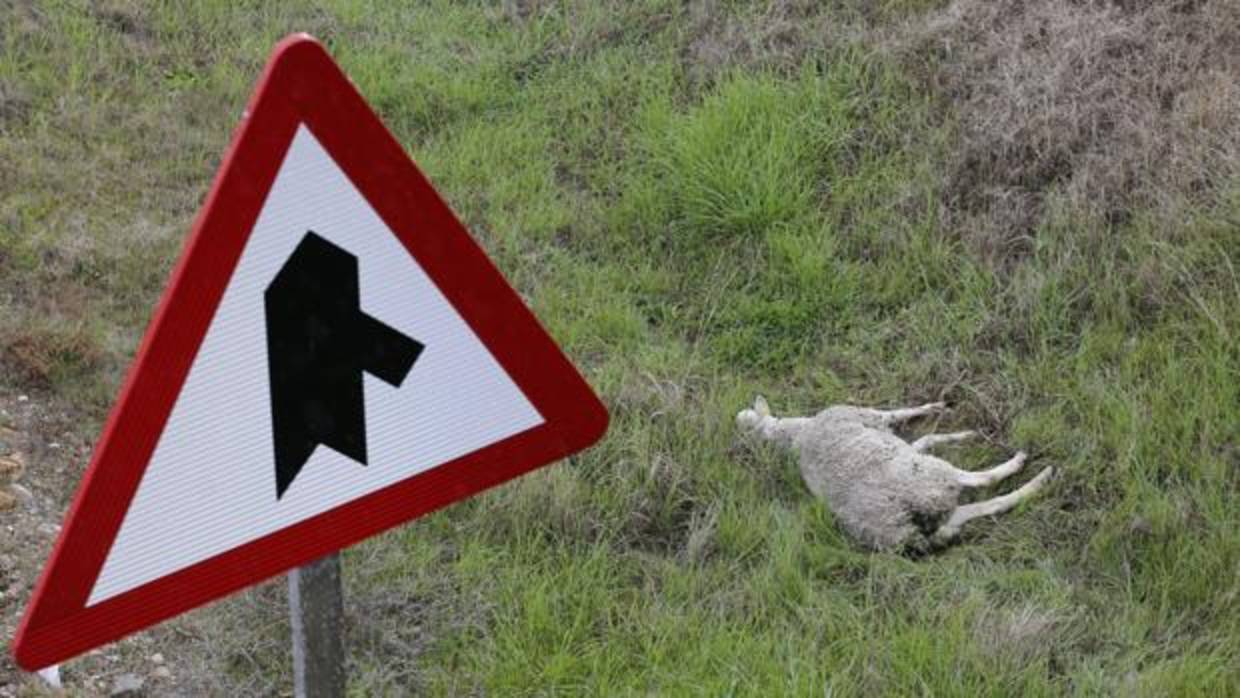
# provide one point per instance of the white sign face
(211, 484)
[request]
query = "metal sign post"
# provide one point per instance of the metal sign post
(316, 607)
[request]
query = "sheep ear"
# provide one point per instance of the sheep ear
(760, 406)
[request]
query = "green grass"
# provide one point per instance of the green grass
(690, 241)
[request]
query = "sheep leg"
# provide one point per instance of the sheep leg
(929, 441)
(907, 413)
(966, 513)
(986, 478)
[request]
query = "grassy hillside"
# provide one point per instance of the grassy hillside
(1033, 213)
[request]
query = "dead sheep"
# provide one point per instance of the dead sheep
(886, 493)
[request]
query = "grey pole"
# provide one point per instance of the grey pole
(316, 606)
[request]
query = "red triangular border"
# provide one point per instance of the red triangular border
(301, 84)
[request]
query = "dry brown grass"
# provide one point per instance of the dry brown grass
(781, 35)
(718, 39)
(1022, 634)
(37, 355)
(1096, 109)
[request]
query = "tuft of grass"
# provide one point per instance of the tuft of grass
(741, 162)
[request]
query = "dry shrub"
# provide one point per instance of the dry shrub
(14, 106)
(50, 338)
(1103, 108)
(1023, 635)
(127, 18)
(521, 10)
(38, 354)
(782, 35)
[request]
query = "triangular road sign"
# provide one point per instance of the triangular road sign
(334, 356)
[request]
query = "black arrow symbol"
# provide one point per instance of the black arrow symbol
(318, 344)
